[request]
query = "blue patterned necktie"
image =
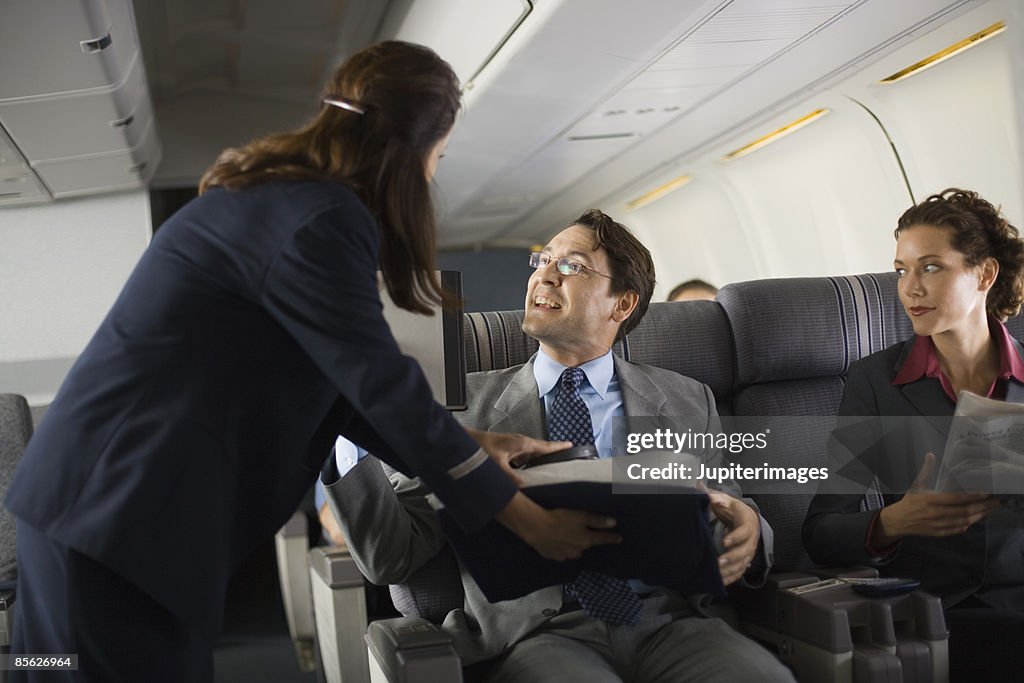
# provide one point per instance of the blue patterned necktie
(601, 596)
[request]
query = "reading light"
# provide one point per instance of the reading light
(658, 192)
(942, 55)
(775, 135)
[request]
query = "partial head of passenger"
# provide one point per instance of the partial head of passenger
(592, 285)
(693, 290)
(959, 261)
(384, 121)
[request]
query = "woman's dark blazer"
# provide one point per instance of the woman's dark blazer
(886, 430)
(249, 335)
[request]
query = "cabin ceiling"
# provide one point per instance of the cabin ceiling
(567, 101)
(614, 107)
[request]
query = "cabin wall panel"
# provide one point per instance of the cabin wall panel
(956, 124)
(684, 232)
(820, 201)
(61, 267)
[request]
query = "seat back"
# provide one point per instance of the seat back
(795, 340)
(1016, 326)
(434, 590)
(15, 431)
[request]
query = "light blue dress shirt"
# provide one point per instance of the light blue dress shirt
(346, 455)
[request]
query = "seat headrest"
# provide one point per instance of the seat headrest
(691, 338)
(797, 328)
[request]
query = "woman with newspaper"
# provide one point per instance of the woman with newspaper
(961, 270)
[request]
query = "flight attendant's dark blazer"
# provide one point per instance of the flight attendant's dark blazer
(249, 335)
(893, 447)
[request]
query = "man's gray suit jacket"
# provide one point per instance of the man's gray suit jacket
(392, 531)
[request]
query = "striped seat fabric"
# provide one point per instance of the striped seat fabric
(690, 338)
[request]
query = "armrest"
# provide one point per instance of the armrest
(825, 631)
(292, 545)
(339, 609)
(760, 605)
(855, 572)
(411, 650)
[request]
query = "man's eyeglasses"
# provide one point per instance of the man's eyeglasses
(565, 266)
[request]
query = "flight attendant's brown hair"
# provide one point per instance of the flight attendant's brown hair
(392, 103)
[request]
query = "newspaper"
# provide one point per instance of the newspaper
(985, 450)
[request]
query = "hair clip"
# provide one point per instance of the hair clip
(346, 104)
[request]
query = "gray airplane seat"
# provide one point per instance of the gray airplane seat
(795, 339)
(15, 431)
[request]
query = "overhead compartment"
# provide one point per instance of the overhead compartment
(80, 123)
(73, 98)
(120, 170)
(57, 46)
(22, 189)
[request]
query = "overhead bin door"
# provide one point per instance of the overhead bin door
(73, 99)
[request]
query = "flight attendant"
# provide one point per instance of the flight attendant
(249, 336)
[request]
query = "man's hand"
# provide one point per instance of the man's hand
(556, 534)
(744, 531)
(924, 512)
(330, 525)
(510, 450)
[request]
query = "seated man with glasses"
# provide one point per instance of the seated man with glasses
(592, 284)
